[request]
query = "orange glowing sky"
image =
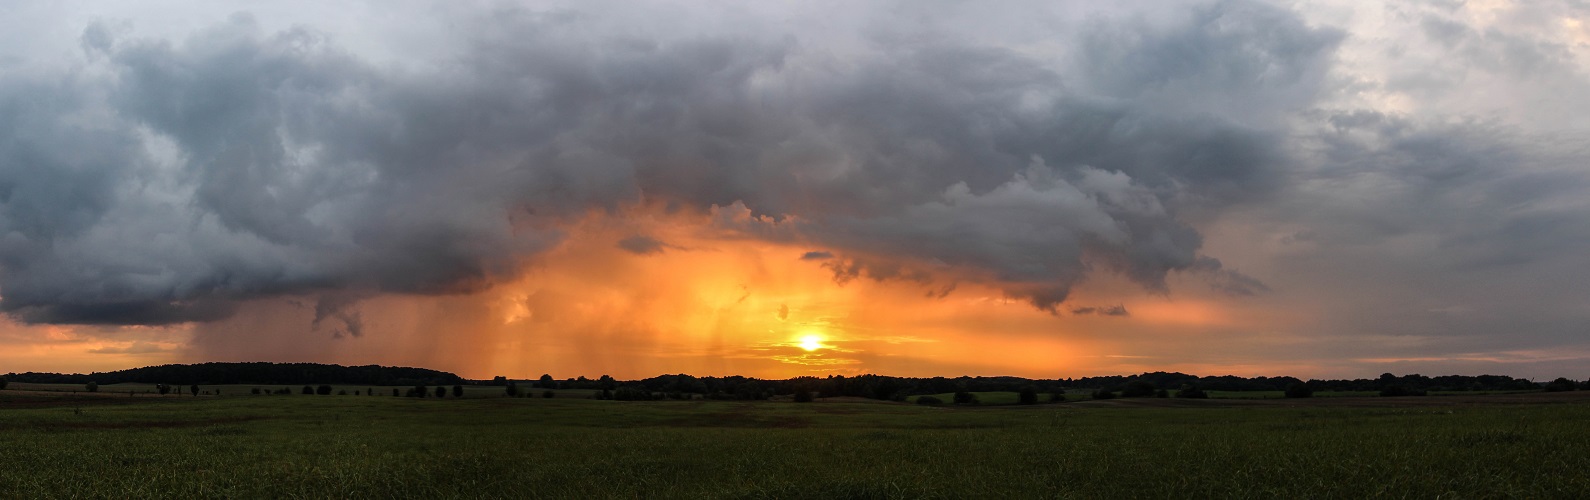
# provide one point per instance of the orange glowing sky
(706, 306)
(701, 305)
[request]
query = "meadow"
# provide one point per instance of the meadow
(58, 445)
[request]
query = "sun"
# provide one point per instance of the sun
(811, 342)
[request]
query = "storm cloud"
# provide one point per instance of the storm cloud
(160, 180)
(153, 175)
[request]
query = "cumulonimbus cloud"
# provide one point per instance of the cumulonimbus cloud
(165, 180)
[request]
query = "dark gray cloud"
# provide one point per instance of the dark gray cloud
(642, 245)
(1117, 310)
(817, 255)
(239, 162)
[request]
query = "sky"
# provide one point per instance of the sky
(775, 189)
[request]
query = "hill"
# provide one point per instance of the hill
(251, 373)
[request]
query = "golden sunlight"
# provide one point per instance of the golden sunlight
(811, 342)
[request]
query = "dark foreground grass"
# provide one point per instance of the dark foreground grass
(350, 447)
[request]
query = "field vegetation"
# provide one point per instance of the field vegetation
(60, 445)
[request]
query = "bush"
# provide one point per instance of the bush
(929, 401)
(632, 393)
(3, 382)
(547, 394)
(1192, 392)
(394, 392)
(91, 386)
(254, 391)
(1103, 394)
(512, 389)
(163, 389)
(1161, 393)
(965, 398)
(803, 396)
(1560, 385)
(1028, 395)
(458, 391)
(441, 392)
(193, 389)
(343, 392)
(1299, 390)
(309, 390)
(324, 390)
(1058, 396)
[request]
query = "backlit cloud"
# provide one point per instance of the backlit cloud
(1311, 174)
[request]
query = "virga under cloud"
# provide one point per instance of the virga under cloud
(171, 171)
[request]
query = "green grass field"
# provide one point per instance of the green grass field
(58, 446)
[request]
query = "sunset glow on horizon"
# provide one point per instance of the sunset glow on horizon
(772, 190)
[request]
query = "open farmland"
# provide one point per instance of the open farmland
(58, 445)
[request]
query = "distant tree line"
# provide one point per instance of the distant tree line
(426, 382)
(1153, 384)
(252, 373)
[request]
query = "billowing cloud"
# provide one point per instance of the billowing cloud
(239, 162)
(1265, 156)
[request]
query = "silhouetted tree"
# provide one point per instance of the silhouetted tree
(193, 389)
(1137, 389)
(394, 392)
(91, 386)
(546, 382)
(1191, 392)
(1559, 385)
(547, 394)
(421, 391)
(1028, 395)
(441, 392)
(499, 381)
(1299, 390)
(458, 391)
(512, 389)
(323, 390)
(3, 383)
(965, 398)
(309, 390)
(163, 389)
(607, 382)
